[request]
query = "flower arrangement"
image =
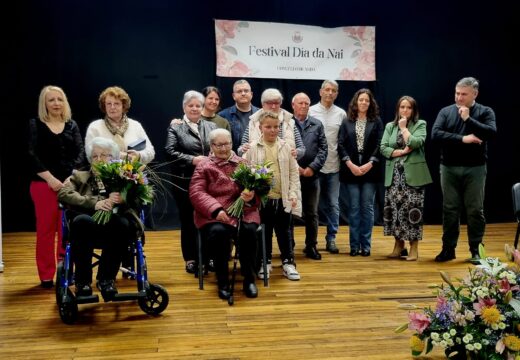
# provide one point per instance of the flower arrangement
(257, 178)
(478, 318)
(129, 178)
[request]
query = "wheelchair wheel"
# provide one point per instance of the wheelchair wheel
(68, 309)
(60, 272)
(156, 300)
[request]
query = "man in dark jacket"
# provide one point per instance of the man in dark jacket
(462, 129)
(315, 142)
(238, 114)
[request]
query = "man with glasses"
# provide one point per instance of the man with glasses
(331, 116)
(238, 114)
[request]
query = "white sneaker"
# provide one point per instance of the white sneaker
(261, 271)
(290, 272)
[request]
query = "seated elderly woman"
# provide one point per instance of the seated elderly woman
(83, 195)
(211, 192)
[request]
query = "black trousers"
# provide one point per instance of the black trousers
(188, 229)
(217, 237)
(113, 238)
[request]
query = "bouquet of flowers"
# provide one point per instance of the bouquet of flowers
(126, 177)
(478, 318)
(257, 178)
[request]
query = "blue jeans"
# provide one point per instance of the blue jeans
(361, 214)
(329, 202)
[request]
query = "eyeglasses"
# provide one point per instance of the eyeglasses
(243, 91)
(273, 103)
(222, 146)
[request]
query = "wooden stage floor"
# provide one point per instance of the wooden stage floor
(342, 308)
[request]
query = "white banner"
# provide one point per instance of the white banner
(288, 51)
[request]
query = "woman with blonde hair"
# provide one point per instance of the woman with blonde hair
(55, 150)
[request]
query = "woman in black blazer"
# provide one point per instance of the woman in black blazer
(358, 147)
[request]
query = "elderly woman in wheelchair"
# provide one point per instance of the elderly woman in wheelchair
(83, 195)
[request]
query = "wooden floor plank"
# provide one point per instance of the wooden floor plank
(342, 308)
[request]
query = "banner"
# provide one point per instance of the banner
(288, 51)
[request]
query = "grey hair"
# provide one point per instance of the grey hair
(103, 143)
(240, 82)
(192, 94)
(300, 94)
(468, 82)
(271, 94)
(219, 132)
(329, 82)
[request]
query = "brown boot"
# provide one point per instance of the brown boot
(398, 247)
(414, 251)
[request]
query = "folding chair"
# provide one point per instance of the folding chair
(516, 209)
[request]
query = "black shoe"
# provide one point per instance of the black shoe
(191, 267)
(365, 252)
(46, 284)
(354, 252)
(223, 293)
(475, 257)
(312, 253)
(250, 290)
(108, 289)
(446, 254)
(331, 247)
(211, 265)
(83, 290)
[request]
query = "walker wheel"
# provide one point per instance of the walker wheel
(69, 308)
(156, 300)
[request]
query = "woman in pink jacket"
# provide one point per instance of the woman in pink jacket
(212, 191)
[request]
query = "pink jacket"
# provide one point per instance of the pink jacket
(212, 188)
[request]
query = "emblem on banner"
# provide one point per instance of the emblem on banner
(297, 37)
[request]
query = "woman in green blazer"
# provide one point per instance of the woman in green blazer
(406, 174)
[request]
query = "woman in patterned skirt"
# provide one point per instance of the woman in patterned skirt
(406, 175)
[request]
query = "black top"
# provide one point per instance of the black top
(449, 128)
(315, 142)
(57, 153)
(348, 150)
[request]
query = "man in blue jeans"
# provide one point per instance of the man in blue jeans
(315, 142)
(463, 129)
(331, 117)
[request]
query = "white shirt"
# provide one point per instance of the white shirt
(331, 119)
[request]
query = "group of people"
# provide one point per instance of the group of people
(312, 150)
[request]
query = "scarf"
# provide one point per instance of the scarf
(118, 131)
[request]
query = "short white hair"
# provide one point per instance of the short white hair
(103, 143)
(270, 95)
(215, 133)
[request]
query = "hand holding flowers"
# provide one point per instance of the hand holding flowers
(256, 179)
(128, 184)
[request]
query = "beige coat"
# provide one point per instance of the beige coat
(290, 178)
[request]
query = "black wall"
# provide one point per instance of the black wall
(157, 50)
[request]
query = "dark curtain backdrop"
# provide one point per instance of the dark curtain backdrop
(157, 50)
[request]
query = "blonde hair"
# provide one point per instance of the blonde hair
(43, 113)
(267, 114)
(119, 94)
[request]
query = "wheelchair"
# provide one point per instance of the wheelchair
(153, 299)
